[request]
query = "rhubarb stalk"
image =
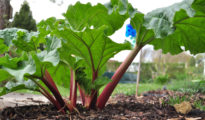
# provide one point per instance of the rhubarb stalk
(73, 88)
(104, 96)
(48, 81)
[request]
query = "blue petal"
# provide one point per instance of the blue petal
(133, 33)
(130, 31)
(127, 34)
(129, 26)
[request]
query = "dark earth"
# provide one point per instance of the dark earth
(148, 106)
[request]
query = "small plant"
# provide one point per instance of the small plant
(198, 104)
(177, 100)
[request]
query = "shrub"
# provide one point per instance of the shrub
(162, 79)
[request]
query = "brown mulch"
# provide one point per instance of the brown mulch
(119, 107)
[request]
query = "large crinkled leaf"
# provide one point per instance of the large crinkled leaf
(20, 38)
(4, 75)
(3, 47)
(49, 57)
(81, 16)
(66, 56)
(26, 41)
(181, 24)
(9, 34)
(122, 7)
(38, 60)
(14, 86)
(29, 64)
(144, 35)
(50, 54)
(45, 27)
(10, 62)
(162, 20)
(58, 77)
(26, 67)
(92, 45)
(198, 6)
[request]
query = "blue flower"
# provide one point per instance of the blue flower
(130, 31)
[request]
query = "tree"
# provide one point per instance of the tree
(5, 13)
(24, 19)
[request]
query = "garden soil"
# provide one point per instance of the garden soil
(149, 106)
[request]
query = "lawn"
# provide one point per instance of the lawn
(130, 88)
(176, 85)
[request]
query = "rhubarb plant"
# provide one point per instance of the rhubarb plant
(73, 51)
(169, 29)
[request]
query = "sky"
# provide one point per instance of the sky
(43, 9)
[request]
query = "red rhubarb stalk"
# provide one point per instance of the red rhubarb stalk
(104, 96)
(90, 100)
(82, 95)
(48, 81)
(71, 83)
(73, 88)
(49, 78)
(49, 96)
(93, 92)
(51, 99)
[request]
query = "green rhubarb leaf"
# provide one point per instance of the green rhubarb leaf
(14, 86)
(60, 74)
(33, 61)
(68, 58)
(9, 34)
(47, 58)
(3, 47)
(4, 75)
(26, 41)
(181, 24)
(184, 26)
(26, 67)
(31, 64)
(50, 54)
(91, 45)
(162, 19)
(80, 15)
(198, 6)
(19, 39)
(45, 27)
(144, 35)
(13, 63)
(100, 82)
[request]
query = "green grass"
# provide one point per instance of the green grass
(180, 85)
(186, 86)
(130, 89)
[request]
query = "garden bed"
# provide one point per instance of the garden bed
(146, 107)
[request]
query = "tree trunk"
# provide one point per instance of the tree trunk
(5, 13)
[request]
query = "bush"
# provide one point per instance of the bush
(162, 79)
(176, 71)
(180, 76)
